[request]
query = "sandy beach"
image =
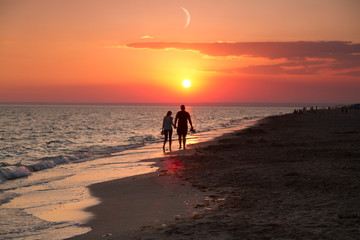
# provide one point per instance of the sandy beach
(295, 176)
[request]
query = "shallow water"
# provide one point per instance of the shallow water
(52, 153)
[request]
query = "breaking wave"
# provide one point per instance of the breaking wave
(8, 172)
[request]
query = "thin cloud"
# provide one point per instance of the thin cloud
(330, 55)
(271, 50)
(304, 67)
(350, 73)
(147, 37)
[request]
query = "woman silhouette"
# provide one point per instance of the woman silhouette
(167, 129)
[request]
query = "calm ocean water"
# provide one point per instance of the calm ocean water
(49, 154)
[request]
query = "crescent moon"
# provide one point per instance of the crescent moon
(187, 14)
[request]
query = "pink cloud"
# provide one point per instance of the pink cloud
(333, 57)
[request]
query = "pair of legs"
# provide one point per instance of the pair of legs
(168, 134)
(182, 132)
(182, 138)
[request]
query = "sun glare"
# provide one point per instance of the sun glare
(186, 83)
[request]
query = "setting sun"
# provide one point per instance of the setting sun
(186, 83)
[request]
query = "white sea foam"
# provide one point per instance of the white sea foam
(13, 172)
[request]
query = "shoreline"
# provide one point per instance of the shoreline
(140, 201)
(288, 176)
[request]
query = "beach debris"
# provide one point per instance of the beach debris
(196, 215)
(107, 235)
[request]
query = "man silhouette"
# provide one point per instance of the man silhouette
(182, 128)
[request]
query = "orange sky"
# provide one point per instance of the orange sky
(139, 51)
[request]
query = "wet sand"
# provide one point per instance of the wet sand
(288, 177)
(138, 202)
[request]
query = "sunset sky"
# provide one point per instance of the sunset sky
(141, 51)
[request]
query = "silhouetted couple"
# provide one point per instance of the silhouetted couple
(181, 119)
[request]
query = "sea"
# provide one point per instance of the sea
(49, 154)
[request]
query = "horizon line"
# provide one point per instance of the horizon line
(215, 104)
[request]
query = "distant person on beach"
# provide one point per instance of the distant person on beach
(167, 129)
(182, 128)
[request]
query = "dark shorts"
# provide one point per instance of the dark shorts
(182, 131)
